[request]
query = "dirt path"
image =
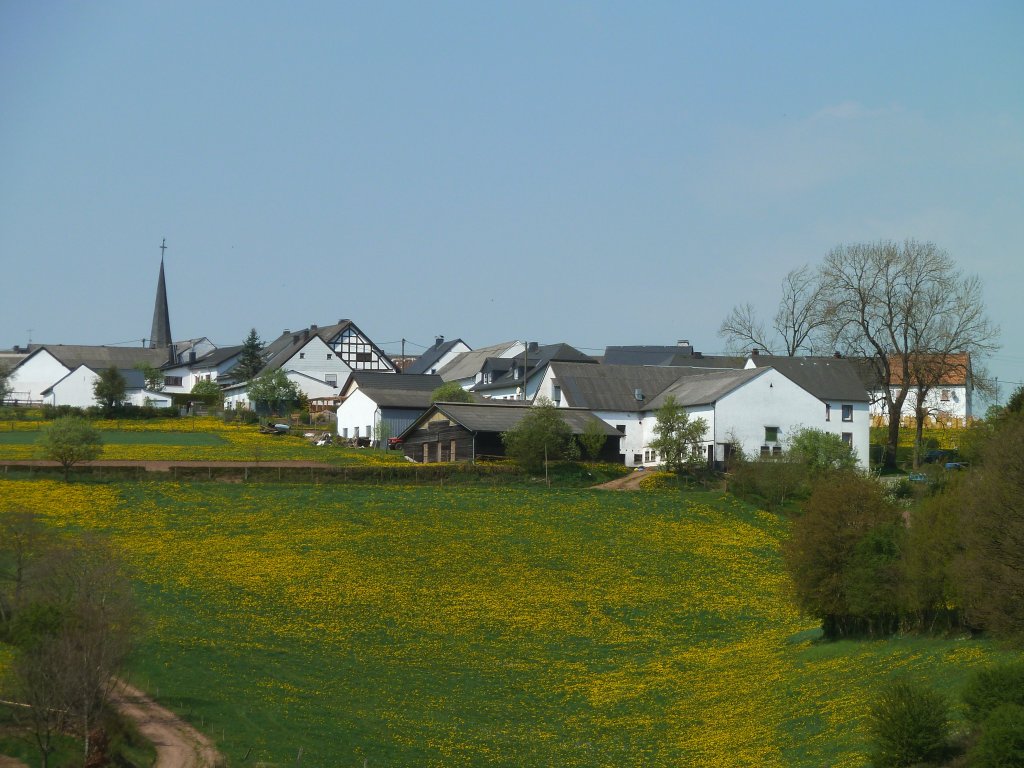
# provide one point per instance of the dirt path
(630, 482)
(178, 744)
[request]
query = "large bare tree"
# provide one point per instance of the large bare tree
(897, 304)
(795, 327)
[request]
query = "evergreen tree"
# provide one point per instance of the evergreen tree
(250, 361)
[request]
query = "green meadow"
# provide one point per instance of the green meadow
(397, 626)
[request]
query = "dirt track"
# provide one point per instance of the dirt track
(178, 744)
(630, 482)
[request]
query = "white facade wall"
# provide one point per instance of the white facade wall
(772, 400)
(650, 458)
(77, 390)
(944, 403)
(318, 361)
(312, 387)
(36, 373)
(356, 415)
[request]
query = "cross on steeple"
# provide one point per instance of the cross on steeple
(163, 247)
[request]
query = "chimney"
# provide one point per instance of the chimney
(533, 346)
(438, 341)
(313, 327)
(837, 355)
(285, 332)
(755, 352)
(683, 343)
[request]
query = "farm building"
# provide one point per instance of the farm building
(472, 431)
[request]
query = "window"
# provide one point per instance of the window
(638, 458)
(332, 379)
(771, 434)
(848, 438)
(556, 393)
(172, 381)
(302, 355)
(363, 357)
(828, 411)
(766, 451)
(776, 450)
(946, 395)
(847, 413)
(329, 355)
(621, 428)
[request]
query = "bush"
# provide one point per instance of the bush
(991, 687)
(1001, 744)
(909, 726)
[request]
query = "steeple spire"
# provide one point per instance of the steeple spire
(160, 336)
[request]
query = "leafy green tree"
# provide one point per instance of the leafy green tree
(70, 440)
(110, 389)
(593, 439)
(5, 382)
(208, 392)
(273, 392)
(451, 392)
(930, 590)
(153, 377)
(909, 725)
(678, 438)
(821, 451)
(1001, 743)
(540, 435)
(250, 360)
(991, 569)
(838, 557)
(991, 687)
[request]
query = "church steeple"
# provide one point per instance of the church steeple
(160, 336)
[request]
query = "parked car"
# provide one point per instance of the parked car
(941, 456)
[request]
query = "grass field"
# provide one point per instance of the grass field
(466, 626)
(200, 439)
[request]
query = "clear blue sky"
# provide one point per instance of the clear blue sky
(592, 173)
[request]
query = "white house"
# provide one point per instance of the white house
(375, 401)
(438, 356)
(949, 402)
(756, 409)
(520, 377)
(469, 368)
(319, 360)
(77, 389)
(47, 364)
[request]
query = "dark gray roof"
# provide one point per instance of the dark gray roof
(429, 358)
(217, 356)
(827, 378)
(406, 390)
(470, 363)
(677, 355)
(704, 388)
(536, 360)
(501, 417)
(613, 387)
(100, 357)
